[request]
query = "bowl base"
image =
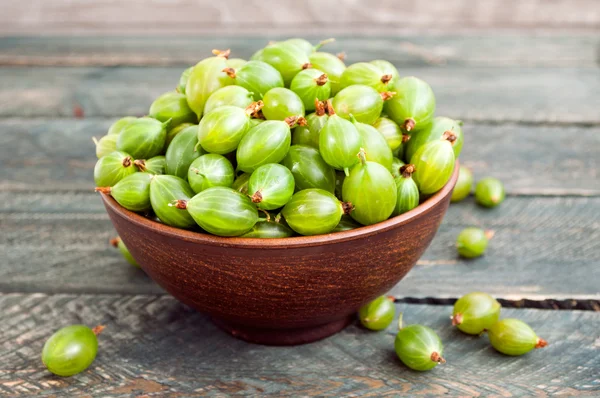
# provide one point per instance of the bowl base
(282, 337)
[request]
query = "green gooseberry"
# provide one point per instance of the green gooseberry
(257, 77)
(105, 145)
(419, 347)
(434, 164)
(309, 134)
(281, 103)
(472, 242)
(339, 143)
(330, 64)
(378, 314)
(240, 184)
(165, 190)
(407, 191)
(206, 78)
(375, 146)
(463, 186)
(268, 142)
(112, 168)
(340, 176)
(271, 186)
(313, 212)
(132, 192)
(172, 133)
(255, 122)
(363, 102)
(172, 106)
(371, 190)
(413, 106)
(287, 58)
(476, 312)
(229, 95)
(489, 192)
(390, 131)
(396, 164)
(387, 68)
(210, 170)
(311, 85)
(119, 126)
(306, 46)
(183, 79)
(368, 74)
(118, 243)
(236, 63)
(71, 350)
(434, 132)
(223, 211)
(309, 169)
(268, 229)
(155, 165)
(346, 224)
(514, 337)
(143, 138)
(182, 152)
(221, 130)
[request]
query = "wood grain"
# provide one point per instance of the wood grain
(489, 49)
(52, 155)
(156, 346)
(544, 248)
(525, 94)
(241, 17)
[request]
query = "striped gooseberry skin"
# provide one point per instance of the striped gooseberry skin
(390, 131)
(407, 191)
(463, 186)
(240, 184)
(182, 151)
(105, 145)
(183, 79)
(257, 77)
(435, 132)
(363, 102)
(330, 64)
(339, 143)
(309, 134)
(221, 130)
(287, 58)
(154, 165)
(143, 138)
(172, 106)
(475, 313)
(120, 125)
(472, 242)
(281, 103)
(229, 96)
(206, 77)
(164, 191)
(223, 211)
(309, 169)
(378, 314)
(368, 74)
(70, 350)
(419, 347)
(133, 192)
(434, 164)
(396, 164)
(413, 106)
(271, 186)
(265, 143)
(112, 168)
(346, 224)
(268, 230)
(313, 212)
(489, 192)
(514, 337)
(210, 170)
(371, 189)
(376, 147)
(310, 85)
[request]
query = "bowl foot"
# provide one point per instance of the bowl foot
(296, 336)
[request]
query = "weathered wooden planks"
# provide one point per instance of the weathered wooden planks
(524, 94)
(155, 345)
(544, 248)
(241, 17)
(487, 49)
(56, 155)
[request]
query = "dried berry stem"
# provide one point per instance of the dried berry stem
(436, 357)
(295, 120)
(307, 65)
(391, 298)
(362, 156)
(254, 109)
(407, 170)
(140, 164)
(257, 197)
(323, 42)
(385, 79)
(320, 107)
(126, 161)
(98, 329)
(179, 203)
(95, 141)
(104, 190)
(341, 56)
(278, 218)
(457, 319)
(489, 234)
(321, 80)
(541, 343)
(330, 110)
(230, 72)
(405, 138)
(223, 54)
(386, 95)
(400, 321)
(347, 207)
(115, 241)
(449, 136)
(409, 124)
(267, 214)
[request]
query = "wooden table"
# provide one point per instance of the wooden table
(531, 108)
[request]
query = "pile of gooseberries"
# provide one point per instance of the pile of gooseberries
(290, 142)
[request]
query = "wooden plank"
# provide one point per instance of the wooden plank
(495, 94)
(543, 248)
(493, 49)
(240, 17)
(155, 346)
(532, 160)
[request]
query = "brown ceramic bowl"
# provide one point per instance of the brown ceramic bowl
(281, 291)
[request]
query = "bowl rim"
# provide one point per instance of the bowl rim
(284, 243)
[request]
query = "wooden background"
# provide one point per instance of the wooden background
(523, 75)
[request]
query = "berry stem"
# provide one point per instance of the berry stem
(362, 156)
(179, 203)
(400, 321)
(449, 136)
(407, 170)
(320, 107)
(541, 343)
(323, 42)
(267, 214)
(95, 140)
(306, 65)
(321, 80)
(385, 79)
(98, 329)
(347, 207)
(257, 197)
(341, 56)
(104, 190)
(409, 124)
(126, 161)
(386, 95)
(140, 164)
(253, 110)
(489, 234)
(436, 357)
(330, 110)
(115, 241)
(457, 319)
(405, 138)
(230, 72)
(223, 54)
